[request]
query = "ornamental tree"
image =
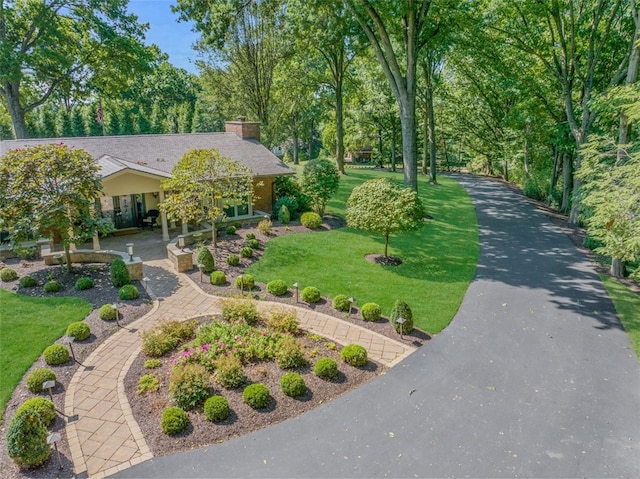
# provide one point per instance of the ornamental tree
(202, 184)
(50, 189)
(380, 206)
(320, 180)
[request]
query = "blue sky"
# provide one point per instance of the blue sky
(172, 37)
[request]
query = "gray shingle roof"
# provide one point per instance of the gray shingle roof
(158, 154)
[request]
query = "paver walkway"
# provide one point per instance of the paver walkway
(103, 436)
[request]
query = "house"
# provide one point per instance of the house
(132, 168)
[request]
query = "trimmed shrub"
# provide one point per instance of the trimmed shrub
(218, 278)
(28, 282)
(250, 236)
(128, 292)
(119, 273)
(237, 225)
(233, 260)
(246, 252)
(55, 355)
(292, 384)
(277, 287)
(157, 343)
(216, 408)
(245, 282)
(205, 258)
(311, 220)
(284, 215)
(41, 406)
(310, 294)
(290, 202)
(253, 244)
(256, 395)
(152, 363)
(148, 383)
(354, 354)
(107, 312)
(52, 287)
(265, 227)
(341, 303)
(27, 440)
(79, 330)
(189, 385)
(8, 274)
(290, 353)
(401, 310)
(229, 372)
(371, 312)
(238, 309)
(283, 321)
(231, 230)
(326, 368)
(36, 378)
(84, 283)
(174, 421)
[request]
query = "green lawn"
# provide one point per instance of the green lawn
(438, 261)
(27, 326)
(627, 304)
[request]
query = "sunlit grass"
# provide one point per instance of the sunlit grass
(627, 304)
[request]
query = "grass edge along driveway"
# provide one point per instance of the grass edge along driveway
(438, 261)
(27, 326)
(627, 304)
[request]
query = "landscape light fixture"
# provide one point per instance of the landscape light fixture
(49, 385)
(53, 438)
(351, 301)
(401, 322)
(297, 286)
(201, 268)
(130, 251)
(116, 306)
(68, 340)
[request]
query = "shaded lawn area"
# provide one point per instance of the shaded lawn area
(27, 326)
(438, 261)
(627, 305)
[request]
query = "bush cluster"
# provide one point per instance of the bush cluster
(245, 282)
(79, 330)
(311, 220)
(107, 312)
(277, 287)
(229, 372)
(36, 378)
(233, 260)
(27, 440)
(253, 244)
(119, 273)
(216, 408)
(310, 294)
(55, 355)
(246, 252)
(290, 353)
(341, 303)
(265, 227)
(174, 420)
(189, 385)
(28, 282)
(292, 384)
(371, 312)
(238, 309)
(165, 337)
(128, 292)
(250, 236)
(326, 368)
(231, 230)
(354, 354)
(52, 287)
(148, 383)
(218, 278)
(256, 395)
(283, 321)
(40, 406)
(205, 258)
(152, 363)
(401, 310)
(84, 283)
(8, 274)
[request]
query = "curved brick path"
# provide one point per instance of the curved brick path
(103, 435)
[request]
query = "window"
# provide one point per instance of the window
(237, 209)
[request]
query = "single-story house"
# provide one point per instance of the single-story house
(132, 168)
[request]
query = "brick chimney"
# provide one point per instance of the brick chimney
(242, 128)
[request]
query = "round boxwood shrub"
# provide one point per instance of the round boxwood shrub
(371, 312)
(256, 395)
(205, 258)
(119, 273)
(326, 368)
(37, 377)
(107, 312)
(401, 310)
(310, 294)
(27, 440)
(292, 384)
(41, 406)
(216, 408)
(311, 220)
(84, 283)
(253, 243)
(8, 274)
(128, 292)
(250, 236)
(79, 330)
(245, 282)
(28, 282)
(174, 420)
(231, 230)
(218, 278)
(55, 355)
(341, 303)
(233, 260)
(52, 287)
(277, 287)
(246, 252)
(354, 354)
(189, 385)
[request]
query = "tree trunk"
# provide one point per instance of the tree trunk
(67, 257)
(409, 139)
(527, 133)
(394, 135)
(296, 150)
(12, 96)
(339, 129)
(425, 138)
(618, 268)
(567, 181)
(430, 121)
(386, 245)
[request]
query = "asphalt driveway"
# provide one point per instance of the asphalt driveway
(533, 378)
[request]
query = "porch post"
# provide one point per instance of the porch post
(185, 227)
(96, 242)
(163, 217)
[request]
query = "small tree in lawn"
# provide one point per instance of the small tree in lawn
(202, 183)
(320, 180)
(50, 188)
(379, 206)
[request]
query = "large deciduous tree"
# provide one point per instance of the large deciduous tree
(380, 206)
(320, 180)
(50, 188)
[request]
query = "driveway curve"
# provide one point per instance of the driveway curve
(535, 377)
